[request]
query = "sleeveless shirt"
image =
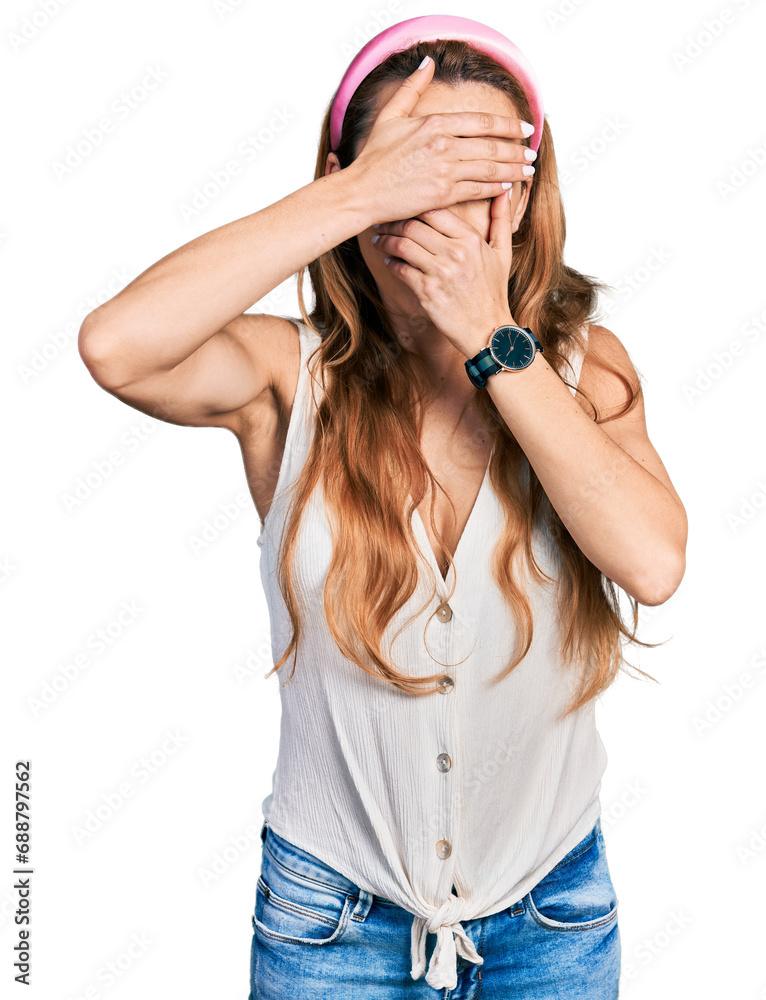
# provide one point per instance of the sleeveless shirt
(476, 786)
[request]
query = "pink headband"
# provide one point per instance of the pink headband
(428, 28)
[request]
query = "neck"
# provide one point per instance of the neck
(417, 334)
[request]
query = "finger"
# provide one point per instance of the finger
(481, 190)
(487, 147)
(468, 123)
(408, 94)
(446, 222)
(411, 276)
(420, 229)
(500, 234)
(489, 171)
(407, 250)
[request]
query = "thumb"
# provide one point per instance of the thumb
(500, 226)
(406, 97)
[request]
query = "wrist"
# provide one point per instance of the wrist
(481, 340)
(360, 195)
(348, 204)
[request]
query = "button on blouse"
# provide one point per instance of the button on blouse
(513, 788)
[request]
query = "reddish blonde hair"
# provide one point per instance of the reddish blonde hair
(366, 447)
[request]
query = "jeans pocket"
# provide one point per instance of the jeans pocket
(296, 908)
(577, 894)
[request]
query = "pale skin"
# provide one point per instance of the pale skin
(606, 481)
(177, 344)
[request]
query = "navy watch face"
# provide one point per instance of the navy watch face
(512, 347)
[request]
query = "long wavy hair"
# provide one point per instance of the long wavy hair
(366, 449)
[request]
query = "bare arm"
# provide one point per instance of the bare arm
(174, 342)
(606, 481)
(175, 339)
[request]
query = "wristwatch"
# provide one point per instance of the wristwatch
(510, 349)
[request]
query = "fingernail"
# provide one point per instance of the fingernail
(376, 225)
(527, 129)
(425, 62)
(530, 154)
(375, 238)
(528, 170)
(507, 184)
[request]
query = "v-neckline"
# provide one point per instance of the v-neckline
(468, 525)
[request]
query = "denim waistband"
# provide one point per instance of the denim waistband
(297, 860)
(582, 845)
(300, 861)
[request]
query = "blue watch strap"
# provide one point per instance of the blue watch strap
(482, 365)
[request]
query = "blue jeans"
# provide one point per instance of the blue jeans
(316, 935)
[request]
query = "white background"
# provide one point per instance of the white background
(662, 166)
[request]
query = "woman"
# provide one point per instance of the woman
(434, 823)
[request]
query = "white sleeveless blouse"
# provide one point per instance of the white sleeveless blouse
(476, 786)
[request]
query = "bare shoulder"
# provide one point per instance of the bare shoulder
(610, 395)
(606, 367)
(273, 345)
